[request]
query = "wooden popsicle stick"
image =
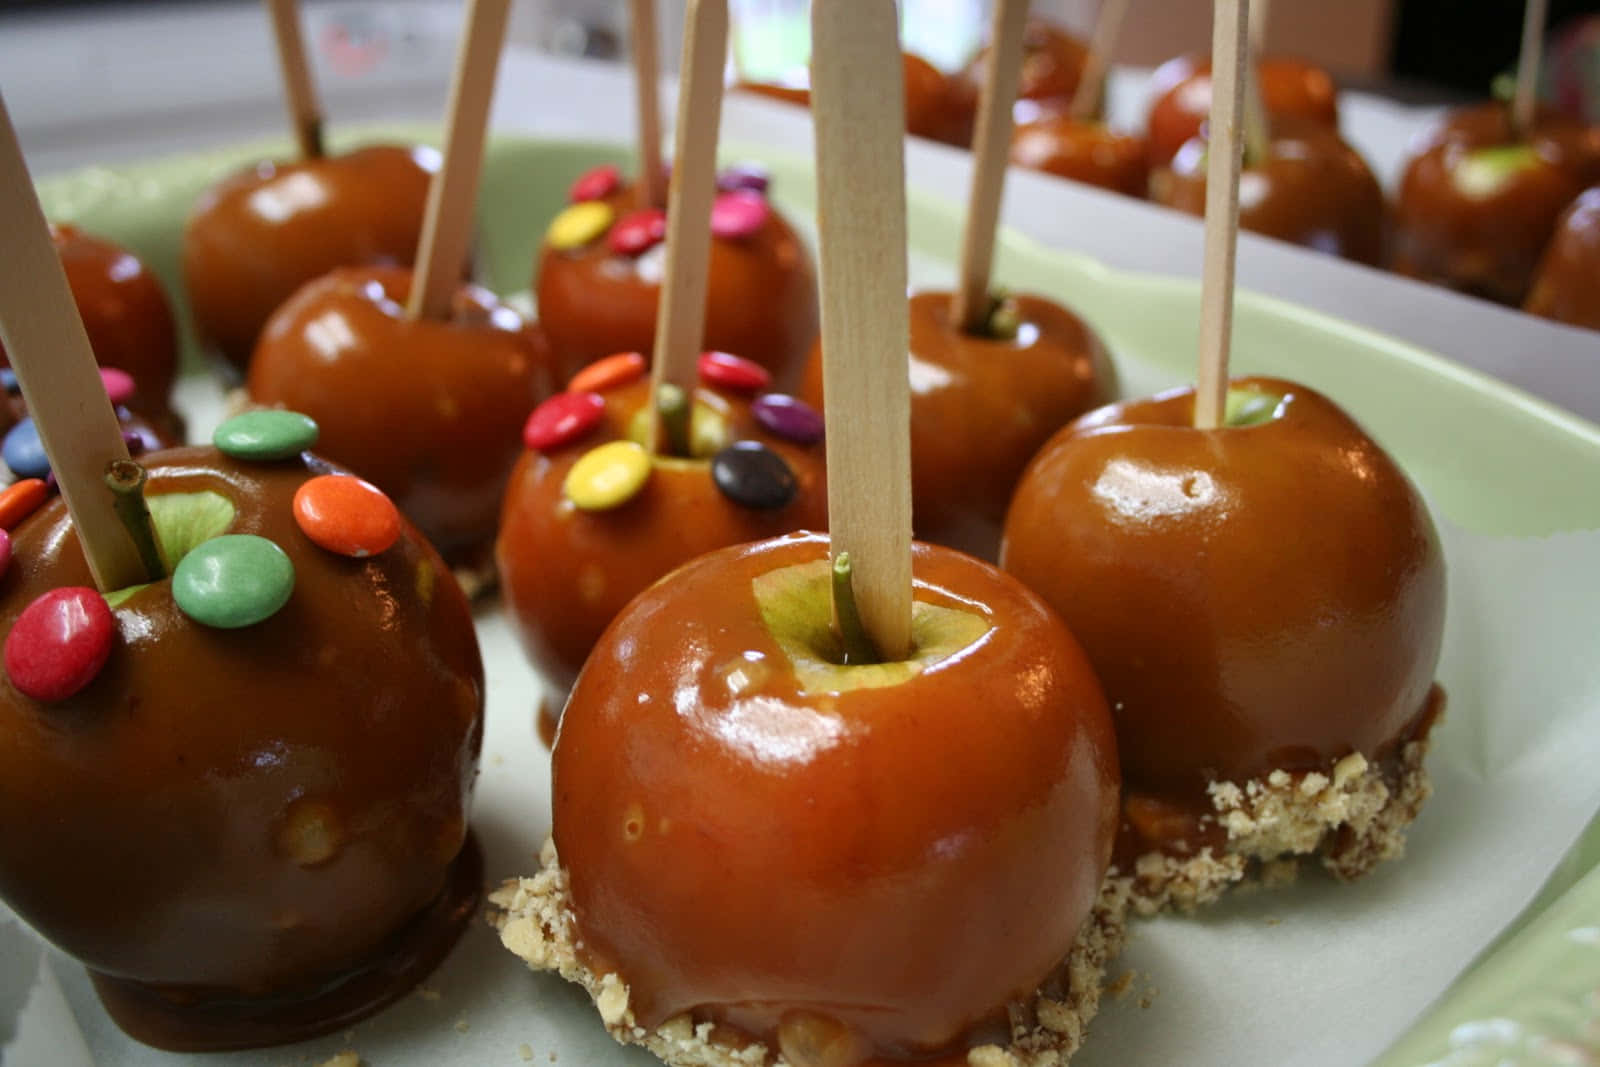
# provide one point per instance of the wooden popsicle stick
(1228, 54)
(1260, 16)
(1092, 82)
(991, 151)
(647, 85)
(305, 112)
(1529, 58)
(681, 310)
(1257, 127)
(453, 193)
(49, 350)
(859, 107)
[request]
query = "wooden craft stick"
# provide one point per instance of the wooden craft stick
(49, 350)
(859, 105)
(991, 151)
(453, 193)
(1529, 59)
(681, 312)
(647, 85)
(1228, 53)
(300, 92)
(1092, 82)
(1257, 127)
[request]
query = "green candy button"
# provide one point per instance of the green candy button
(266, 435)
(232, 581)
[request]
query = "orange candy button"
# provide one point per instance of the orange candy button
(21, 499)
(344, 514)
(608, 372)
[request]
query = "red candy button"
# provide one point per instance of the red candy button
(344, 514)
(562, 419)
(738, 214)
(59, 643)
(609, 372)
(5, 552)
(638, 231)
(21, 499)
(731, 372)
(595, 184)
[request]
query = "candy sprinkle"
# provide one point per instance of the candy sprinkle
(562, 419)
(21, 499)
(24, 452)
(608, 476)
(119, 385)
(59, 643)
(347, 515)
(726, 371)
(789, 418)
(638, 231)
(596, 183)
(579, 224)
(609, 372)
(233, 581)
(265, 435)
(753, 475)
(740, 213)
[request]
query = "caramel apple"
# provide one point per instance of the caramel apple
(22, 450)
(1264, 603)
(938, 107)
(1083, 151)
(429, 411)
(238, 794)
(258, 236)
(1312, 189)
(983, 403)
(602, 260)
(757, 844)
(1053, 62)
(1567, 285)
(1181, 93)
(592, 517)
(1478, 202)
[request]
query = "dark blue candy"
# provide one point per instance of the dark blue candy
(24, 452)
(8, 381)
(790, 418)
(754, 476)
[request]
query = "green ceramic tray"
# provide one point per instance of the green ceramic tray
(1491, 460)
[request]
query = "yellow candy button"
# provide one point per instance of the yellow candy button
(579, 224)
(608, 476)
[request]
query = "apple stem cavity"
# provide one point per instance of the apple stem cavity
(125, 478)
(1246, 407)
(858, 646)
(674, 408)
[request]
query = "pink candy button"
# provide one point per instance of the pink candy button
(119, 385)
(562, 419)
(638, 231)
(732, 372)
(739, 213)
(595, 184)
(59, 643)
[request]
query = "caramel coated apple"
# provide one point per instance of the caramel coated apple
(248, 835)
(258, 236)
(1052, 64)
(873, 859)
(1083, 151)
(1567, 285)
(1478, 202)
(1313, 189)
(983, 404)
(1181, 91)
(938, 107)
(602, 260)
(430, 412)
(1266, 598)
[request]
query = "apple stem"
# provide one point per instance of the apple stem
(858, 646)
(305, 112)
(1528, 61)
(1092, 82)
(125, 478)
(674, 408)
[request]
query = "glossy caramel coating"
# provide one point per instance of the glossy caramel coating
(1488, 244)
(1083, 151)
(761, 298)
(223, 815)
(1255, 598)
(1181, 91)
(899, 861)
(256, 237)
(566, 573)
(1052, 63)
(1567, 285)
(429, 412)
(982, 406)
(1313, 190)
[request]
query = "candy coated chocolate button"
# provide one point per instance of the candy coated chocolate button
(731, 372)
(638, 231)
(789, 418)
(579, 224)
(608, 372)
(597, 183)
(140, 441)
(562, 419)
(265, 435)
(738, 214)
(608, 476)
(21, 499)
(5, 552)
(59, 643)
(344, 514)
(24, 452)
(749, 176)
(8, 381)
(753, 475)
(118, 383)
(232, 581)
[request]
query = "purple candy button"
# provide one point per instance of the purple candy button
(119, 385)
(788, 418)
(750, 176)
(740, 213)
